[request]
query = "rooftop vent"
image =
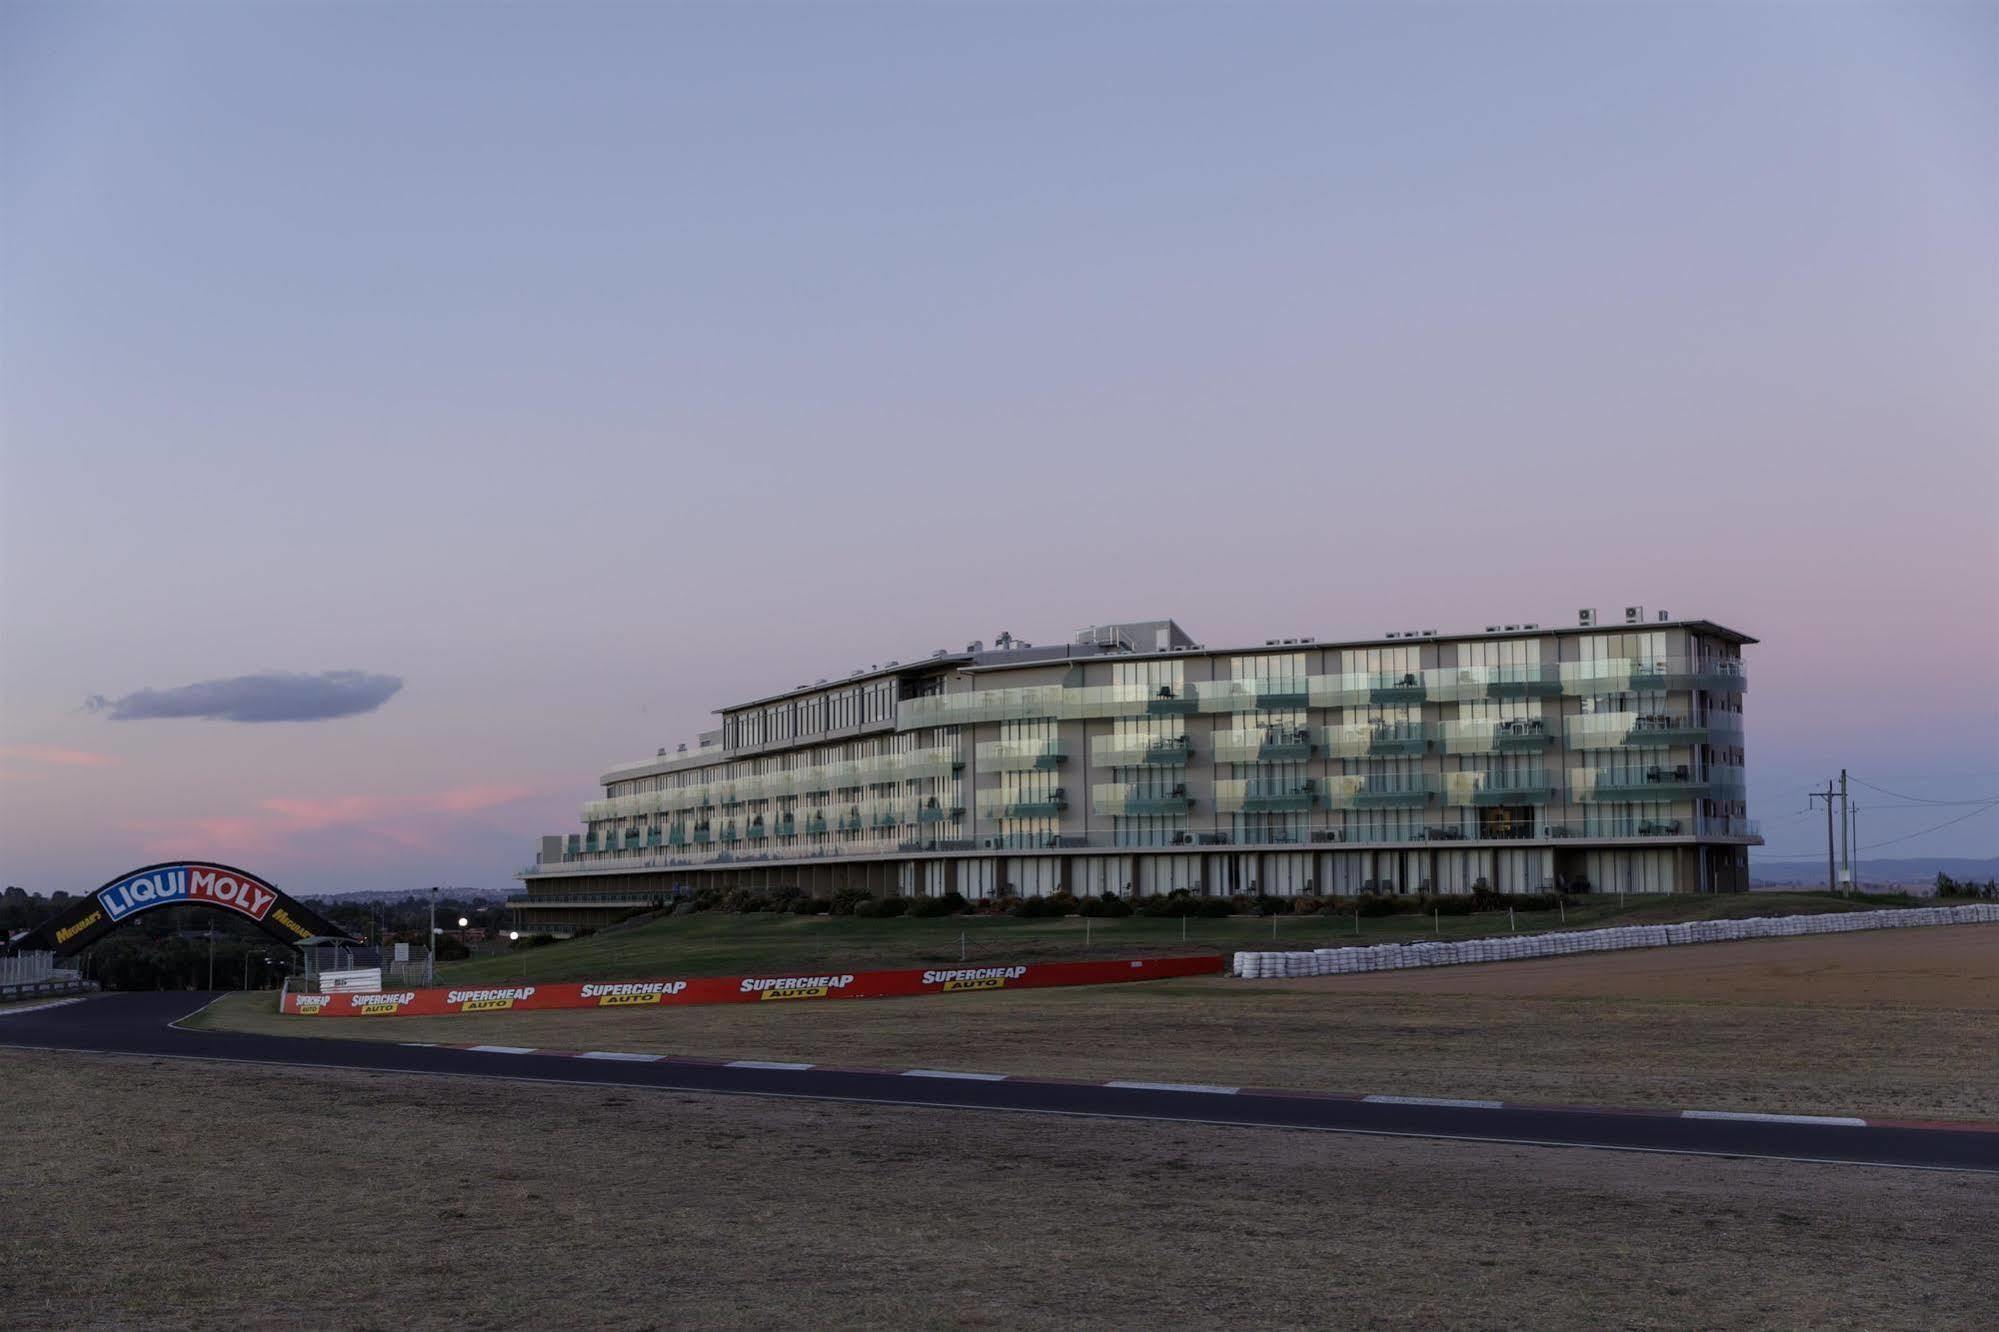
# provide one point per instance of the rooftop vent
(1393, 634)
(1512, 628)
(1492, 628)
(1663, 617)
(1530, 626)
(938, 653)
(662, 751)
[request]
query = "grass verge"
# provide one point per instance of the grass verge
(377, 1202)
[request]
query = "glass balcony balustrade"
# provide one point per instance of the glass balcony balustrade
(1651, 730)
(1465, 684)
(1009, 805)
(1022, 755)
(980, 705)
(1356, 689)
(1640, 675)
(1251, 695)
(1379, 792)
(1491, 788)
(1264, 744)
(1375, 739)
(1131, 751)
(1129, 700)
(1113, 799)
(1655, 782)
(1516, 735)
(1256, 796)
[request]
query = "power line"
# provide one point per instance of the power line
(1945, 824)
(1925, 800)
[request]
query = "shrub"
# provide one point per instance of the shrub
(531, 941)
(845, 899)
(782, 898)
(1536, 901)
(1213, 907)
(745, 899)
(927, 907)
(1306, 905)
(450, 949)
(1373, 904)
(1451, 904)
(875, 908)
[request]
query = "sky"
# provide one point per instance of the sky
(508, 386)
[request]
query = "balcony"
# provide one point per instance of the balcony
(1130, 751)
(1356, 689)
(1488, 788)
(1647, 730)
(934, 811)
(815, 824)
(1251, 796)
(755, 832)
(980, 705)
(1640, 675)
(1254, 695)
(1375, 739)
(1115, 799)
(1658, 782)
(1369, 792)
(1464, 684)
(1129, 700)
(1264, 744)
(702, 837)
(939, 762)
(1007, 805)
(1518, 735)
(1022, 755)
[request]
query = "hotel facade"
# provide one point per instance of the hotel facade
(1134, 760)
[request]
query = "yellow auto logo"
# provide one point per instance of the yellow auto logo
(810, 992)
(989, 983)
(366, 1009)
(485, 1005)
(613, 1000)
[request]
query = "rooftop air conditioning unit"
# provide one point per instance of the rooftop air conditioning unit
(1586, 618)
(1663, 616)
(1634, 614)
(938, 653)
(1530, 626)
(1394, 635)
(1512, 628)
(1492, 628)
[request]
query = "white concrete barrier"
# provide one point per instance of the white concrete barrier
(1502, 948)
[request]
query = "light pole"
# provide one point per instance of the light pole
(430, 961)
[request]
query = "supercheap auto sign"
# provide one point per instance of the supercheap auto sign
(746, 989)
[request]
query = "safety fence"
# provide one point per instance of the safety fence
(1394, 957)
(742, 989)
(35, 975)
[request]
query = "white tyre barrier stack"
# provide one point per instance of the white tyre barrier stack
(1504, 948)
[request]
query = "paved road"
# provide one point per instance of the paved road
(139, 1024)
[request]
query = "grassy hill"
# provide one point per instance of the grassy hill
(715, 943)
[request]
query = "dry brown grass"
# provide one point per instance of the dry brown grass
(1794, 1025)
(200, 1196)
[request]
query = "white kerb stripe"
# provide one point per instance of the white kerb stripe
(941, 1073)
(1174, 1087)
(629, 1058)
(36, 1008)
(1435, 1100)
(1839, 1121)
(765, 1063)
(503, 1049)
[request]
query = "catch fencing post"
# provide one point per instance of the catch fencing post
(1437, 922)
(961, 945)
(1511, 923)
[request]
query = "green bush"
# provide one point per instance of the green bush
(876, 908)
(1374, 904)
(846, 899)
(1211, 908)
(745, 899)
(1307, 905)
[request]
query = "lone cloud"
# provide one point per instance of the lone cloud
(274, 697)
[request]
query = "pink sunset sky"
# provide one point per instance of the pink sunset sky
(559, 374)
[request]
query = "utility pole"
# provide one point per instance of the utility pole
(1828, 795)
(430, 962)
(1853, 821)
(1845, 832)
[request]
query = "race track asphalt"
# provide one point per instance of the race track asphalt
(140, 1024)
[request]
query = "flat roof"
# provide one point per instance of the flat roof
(1404, 640)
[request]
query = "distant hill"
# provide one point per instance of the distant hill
(1910, 869)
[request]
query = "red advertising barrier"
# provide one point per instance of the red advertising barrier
(742, 989)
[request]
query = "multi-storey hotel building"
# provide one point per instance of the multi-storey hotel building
(1134, 760)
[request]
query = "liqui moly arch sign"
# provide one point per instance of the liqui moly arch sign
(204, 885)
(201, 883)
